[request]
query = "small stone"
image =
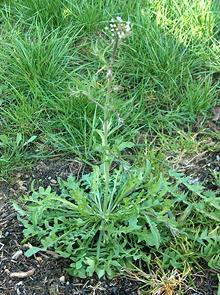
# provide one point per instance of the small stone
(39, 259)
(7, 271)
(8, 232)
(62, 279)
(53, 181)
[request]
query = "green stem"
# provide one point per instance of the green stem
(106, 124)
(106, 161)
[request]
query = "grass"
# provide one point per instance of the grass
(53, 60)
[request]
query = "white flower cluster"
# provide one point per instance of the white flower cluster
(119, 28)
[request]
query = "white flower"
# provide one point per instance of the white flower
(119, 27)
(121, 35)
(119, 19)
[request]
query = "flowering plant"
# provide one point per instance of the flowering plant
(107, 220)
(119, 28)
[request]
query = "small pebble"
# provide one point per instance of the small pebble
(39, 259)
(7, 271)
(8, 232)
(62, 279)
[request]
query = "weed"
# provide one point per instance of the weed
(104, 228)
(107, 221)
(163, 83)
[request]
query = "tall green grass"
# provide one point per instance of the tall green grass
(48, 12)
(53, 56)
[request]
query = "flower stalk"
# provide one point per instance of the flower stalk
(119, 30)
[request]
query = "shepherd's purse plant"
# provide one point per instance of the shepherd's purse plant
(111, 218)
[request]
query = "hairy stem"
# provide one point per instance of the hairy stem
(106, 124)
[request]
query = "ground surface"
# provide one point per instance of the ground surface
(47, 271)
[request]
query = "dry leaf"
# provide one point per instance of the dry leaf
(22, 274)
